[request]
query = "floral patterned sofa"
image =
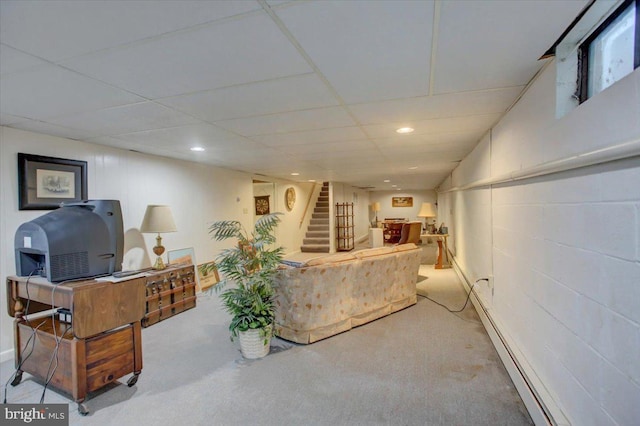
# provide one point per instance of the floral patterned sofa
(331, 294)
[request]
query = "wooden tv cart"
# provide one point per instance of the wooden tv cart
(101, 343)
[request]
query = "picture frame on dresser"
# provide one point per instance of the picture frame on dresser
(46, 182)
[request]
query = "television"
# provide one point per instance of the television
(78, 240)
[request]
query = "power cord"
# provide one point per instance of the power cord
(466, 301)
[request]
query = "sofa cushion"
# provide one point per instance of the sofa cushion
(334, 258)
(404, 247)
(364, 253)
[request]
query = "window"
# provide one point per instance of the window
(611, 52)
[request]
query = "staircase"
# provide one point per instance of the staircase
(317, 237)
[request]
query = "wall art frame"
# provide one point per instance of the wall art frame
(401, 201)
(46, 182)
(261, 205)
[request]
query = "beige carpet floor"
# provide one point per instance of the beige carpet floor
(420, 366)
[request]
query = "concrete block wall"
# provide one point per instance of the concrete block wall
(564, 248)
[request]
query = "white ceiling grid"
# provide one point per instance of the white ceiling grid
(274, 87)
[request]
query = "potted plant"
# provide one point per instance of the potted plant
(251, 265)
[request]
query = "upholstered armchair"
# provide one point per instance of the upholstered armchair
(410, 233)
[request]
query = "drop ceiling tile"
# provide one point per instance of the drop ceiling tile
(184, 137)
(221, 54)
(322, 148)
(94, 25)
(6, 119)
(112, 141)
(126, 119)
(350, 159)
(368, 51)
(431, 141)
(289, 121)
(266, 97)
(12, 60)
(51, 91)
(312, 136)
(490, 44)
(439, 106)
(53, 129)
(438, 125)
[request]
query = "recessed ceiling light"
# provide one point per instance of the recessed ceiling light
(311, 180)
(387, 181)
(413, 168)
(394, 186)
(403, 130)
(295, 174)
(197, 148)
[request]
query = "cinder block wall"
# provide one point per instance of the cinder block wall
(564, 248)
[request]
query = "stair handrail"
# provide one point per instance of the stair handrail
(304, 213)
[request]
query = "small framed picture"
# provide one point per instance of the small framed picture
(401, 201)
(208, 275)
(182, 257)
(46, 182)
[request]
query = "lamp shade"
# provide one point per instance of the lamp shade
(375, 207)
(158, 219)
(427, 210)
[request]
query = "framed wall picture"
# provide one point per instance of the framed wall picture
(262, 205)
(46, 182)
(401, 201)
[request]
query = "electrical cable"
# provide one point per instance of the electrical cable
(31, 339)
(54, 356)
(466, 301)
(23, 359)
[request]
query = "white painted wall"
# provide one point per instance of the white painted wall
(564, 248)
(343, 193)
(197, 194)
(408, 213)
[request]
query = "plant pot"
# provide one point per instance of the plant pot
(255, 343)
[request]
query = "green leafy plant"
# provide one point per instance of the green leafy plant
(251, 266)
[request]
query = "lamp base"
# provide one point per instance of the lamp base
(158, 250)
(159, 265)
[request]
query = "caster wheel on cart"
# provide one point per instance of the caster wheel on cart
(82, 409)
(133, 380)
(17, 379)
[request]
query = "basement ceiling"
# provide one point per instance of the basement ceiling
(276, 87)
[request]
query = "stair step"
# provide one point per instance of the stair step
(315, 249)
(324, 194)
(323, 200)
(318, 234)
(322, 203)
(315, 241)
(320, 216)
(319, 228)
(322, 222)
(321, 210)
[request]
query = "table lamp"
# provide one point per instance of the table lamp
(376, 208)
(158, 219)
(427, 211)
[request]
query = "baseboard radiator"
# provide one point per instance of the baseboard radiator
(541, 406)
